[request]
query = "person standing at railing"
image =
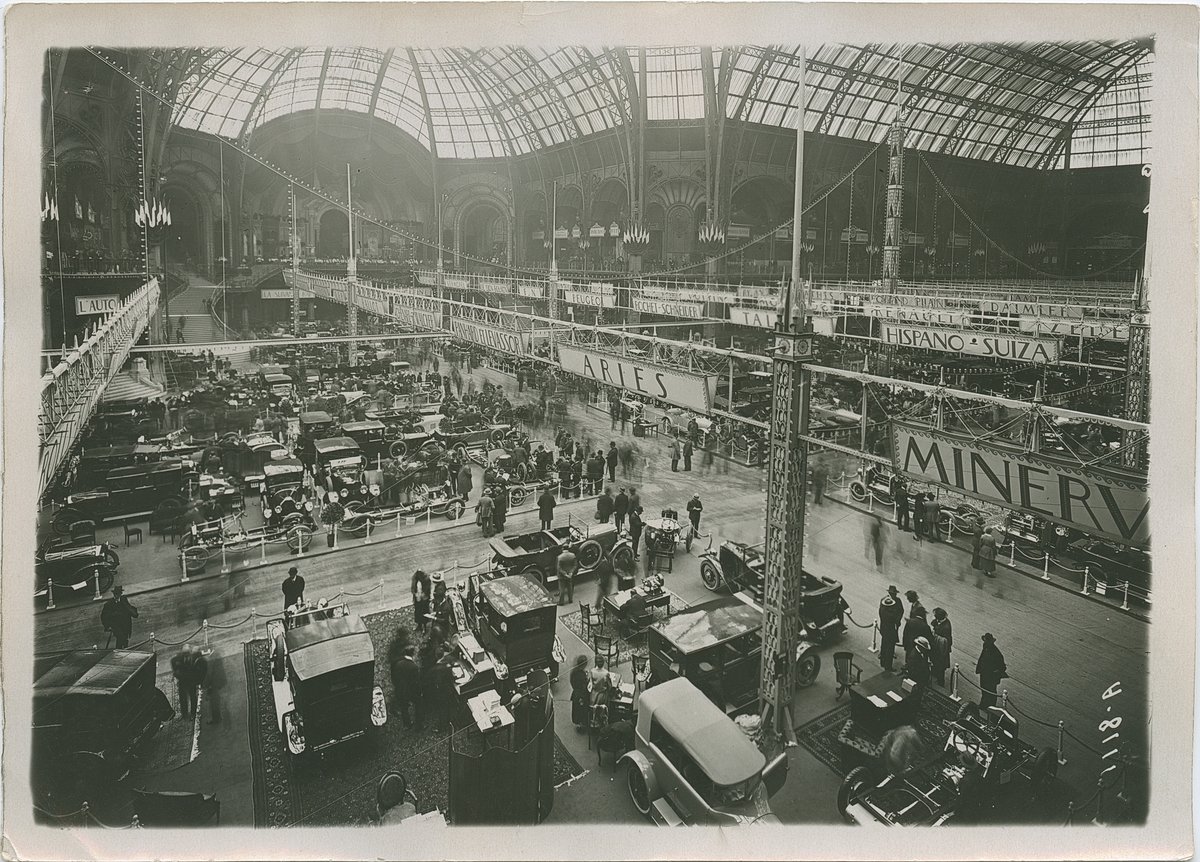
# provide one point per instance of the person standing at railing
(675, 456)
(117, 617)
(943, 642)
(820, 475)
(900, 495)
(933, 513)
(546, 504)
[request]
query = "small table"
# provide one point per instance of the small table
(617, 601)
(485, 705)
(880, 703)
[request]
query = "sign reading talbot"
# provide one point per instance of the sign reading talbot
(692, 310)
(675, 387)
(514, 343)
(759, 317)
(963, 341)
(1101, 502)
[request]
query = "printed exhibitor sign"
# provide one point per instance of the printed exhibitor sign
(691, 310)
(513, 343)
(675, 387)
(98, 304)
(965, 341)
(759, 317)
(1103, 502)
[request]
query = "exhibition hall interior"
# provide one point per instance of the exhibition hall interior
(666, 434)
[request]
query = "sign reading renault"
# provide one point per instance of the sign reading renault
(100, 304)
(965, 341)
(1107, 502)
(513, 343)
(675, 387)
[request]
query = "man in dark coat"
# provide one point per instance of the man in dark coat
(916, 664)
(820, 475)
(620, 509)
(916, 627)
(577, 477)
(918, 516)
(635, 528)
(464, 481)
(900, 495)
(976, 542)
(117, 617)
(605, 506)
(406, 685)
(687, 454)
(546, 504)
(189, 669)
(891, 612)
(933, 511)
(991, 669)
(293, 588)
(452, 468)
(611, 460)
(500, 506)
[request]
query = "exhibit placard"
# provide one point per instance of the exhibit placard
(760, 317)
(680, 388)
(102, 304)
(910, 314)
(274, 293)
(511, 342)
(456, 283)
(1104, 502)
(531, 291)
(1034, 309)
(491, 286)
(969, 342)
(587, 297)
(668, 308)
(1088, 327)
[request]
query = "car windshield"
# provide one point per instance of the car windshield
(733, 794)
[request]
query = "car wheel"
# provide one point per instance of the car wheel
(299, 537)
(852, 786)
(496, 437)
(110, 558)
(590, 554)
(516, 496)
(66, 518)
(965, 709)
(622, 559)
(1044, 771)
(858, 491)
(710, 576)
(1098, 575)
(534, 572)
(639, 792)
(88, 575)
(195, 558)
(807, 670)
(398, 449)
(454, 510)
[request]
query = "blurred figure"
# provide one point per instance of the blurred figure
(189, 669)
(579, 692)
(943, 641)
(117, 617)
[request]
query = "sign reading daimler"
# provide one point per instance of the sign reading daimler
(675, 387)
(1108, 503)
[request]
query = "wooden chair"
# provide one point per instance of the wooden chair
(589, 619)
(641, 671)
(83, 531)
(392, 791)
(848, 673)
(132, 532)
(616, 738)
(607, 648)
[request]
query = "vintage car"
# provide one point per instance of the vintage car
(693, 765)
(434, 502)
(1112, 566)
(514, 618)
(95, 463)
(1006, 776)
(536, 554)
(371, 436)
(407, 429)
(244, 456)
(873, 481)
(92, 711)
(314, 425)
(323, 678)
(279, 388)
(738, 566)
(338, 469)
(285, 499)
(470, 429)
(76, 569)
(125, 491)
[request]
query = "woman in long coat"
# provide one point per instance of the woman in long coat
(976, 539)
(943, 641)
(579, 692)
(987, 553)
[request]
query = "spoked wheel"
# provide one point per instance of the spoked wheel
(110, 558)
(1044, 771)
(194, 558)
(622, 559)
(496, 437)
(852, 785)
(455, 510)
(299, 537)
(590, 554)
(517, 496)
(710, 576)
(84, 580)
(807, 670)
(638, 791)
(858, 491)
(398, 449)
(67, 517)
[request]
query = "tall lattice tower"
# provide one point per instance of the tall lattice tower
(895, 200)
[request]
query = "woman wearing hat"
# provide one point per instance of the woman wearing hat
(987, 553)
(943, 641)
(991, 670)
(916, 663)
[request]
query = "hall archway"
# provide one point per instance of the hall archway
(333, 239)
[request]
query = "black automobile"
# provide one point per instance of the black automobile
(125, 491)
(407, 429)
(285, 499)
(1112, 566)
(92, 711)
(371, 436)
(323, 678)
(537, 553)
(515, 621)
(738, 566)
(245, 456)
(314, 425)
(338, 469)
(85, 569)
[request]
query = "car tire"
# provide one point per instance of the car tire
(590, 554)
(110, 558)
(710, 576)
(622, 559)
(965, 709)
(516, 496)
(858, 491)
(65, 518)
(852, 784)
(534, 572)
(639, 791)
(496, 437)
(88, 575)
(299, 537)
(398, 449)
(807, 670)
(1044, 770)
(455, 509)
(194, 559)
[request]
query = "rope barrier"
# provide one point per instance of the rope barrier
(857, 623)
(182, 642)
(249, 617)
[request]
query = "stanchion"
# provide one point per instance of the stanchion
(870, 500)
(135, 823)
(1087, 570)
(381, 593)
(207, 648)
(1062, 761)
(397, 525)
(254, 624)
(49, 594)
(262, 544)
(97, 597)
(1012, 552)
(153, 643)
(334, 527)
(1124, 603)
(224, 560)
(875, 636)
(1004, 699)
(1099, 818)
(954, 674)
(1046, 566)
(367, 539)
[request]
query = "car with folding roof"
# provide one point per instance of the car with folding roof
(314, 425)
(338, 469)
(284, 496)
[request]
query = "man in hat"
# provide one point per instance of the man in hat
(117, 617)
(916, 664)
(620, 509)
(891, 612)
(293, 588)
(991, 670)
(189, 668)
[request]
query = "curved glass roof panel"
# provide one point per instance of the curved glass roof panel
(1013, 104)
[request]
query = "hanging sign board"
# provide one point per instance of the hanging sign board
(1104, 502)
(103, 304)
(539, 234)
(274, 293)
(1108, 330)
(759, 317)
(456, 283)
(916, 315)
(513, 343)
(531, 291)
(493, 286)
(739, 231)
(965, 341)
(587, 297)
(691, 310)
(680, 388)
(560, 233)
(596, 231)
(1034, 309)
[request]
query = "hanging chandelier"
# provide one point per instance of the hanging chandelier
(152, 215)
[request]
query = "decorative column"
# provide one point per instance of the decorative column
(1134, 444)
(895, 200)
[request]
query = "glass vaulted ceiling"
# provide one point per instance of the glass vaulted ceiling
(1013, 104)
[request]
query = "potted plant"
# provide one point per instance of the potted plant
(332, 514)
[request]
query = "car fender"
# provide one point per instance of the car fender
(637, 760)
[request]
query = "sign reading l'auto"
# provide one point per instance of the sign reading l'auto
(1105, 502)
(99, 304)
(965, 341)
(675, 387)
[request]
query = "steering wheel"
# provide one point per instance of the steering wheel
(968, 737)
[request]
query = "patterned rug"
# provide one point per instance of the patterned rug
(820, 735)
(177, 743)
(627, 642)
(339, 788)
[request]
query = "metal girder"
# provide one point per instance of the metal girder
(71, 388)
(843, 87)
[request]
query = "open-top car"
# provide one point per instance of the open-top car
(536, 554)
(693, 765)
(285, 499)
(983, 773)
(87, 569)
(323, 677)
(244, 456)
(407, 429)
(738, 566)
(92, 711)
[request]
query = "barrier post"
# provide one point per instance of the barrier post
(207, 647)
(381, 593)
(1046, 566)
(1099, 818)
(334, 527)
(49, 594)
(1070, 812)
(870, 500)
(262, 545)
(224, 560)
(153, 643)
(1012, 552)
(97, 597)
(1087, 570)
(253, 624)
(954, 673)
(1004, 699)
(367, 540)
(1062, 761)
(397, 525)
(135, 823)
(875, 636)
(1124, 603)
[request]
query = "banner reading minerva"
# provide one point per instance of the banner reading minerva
(514, 343)
(693, 391)
(1104, 502)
